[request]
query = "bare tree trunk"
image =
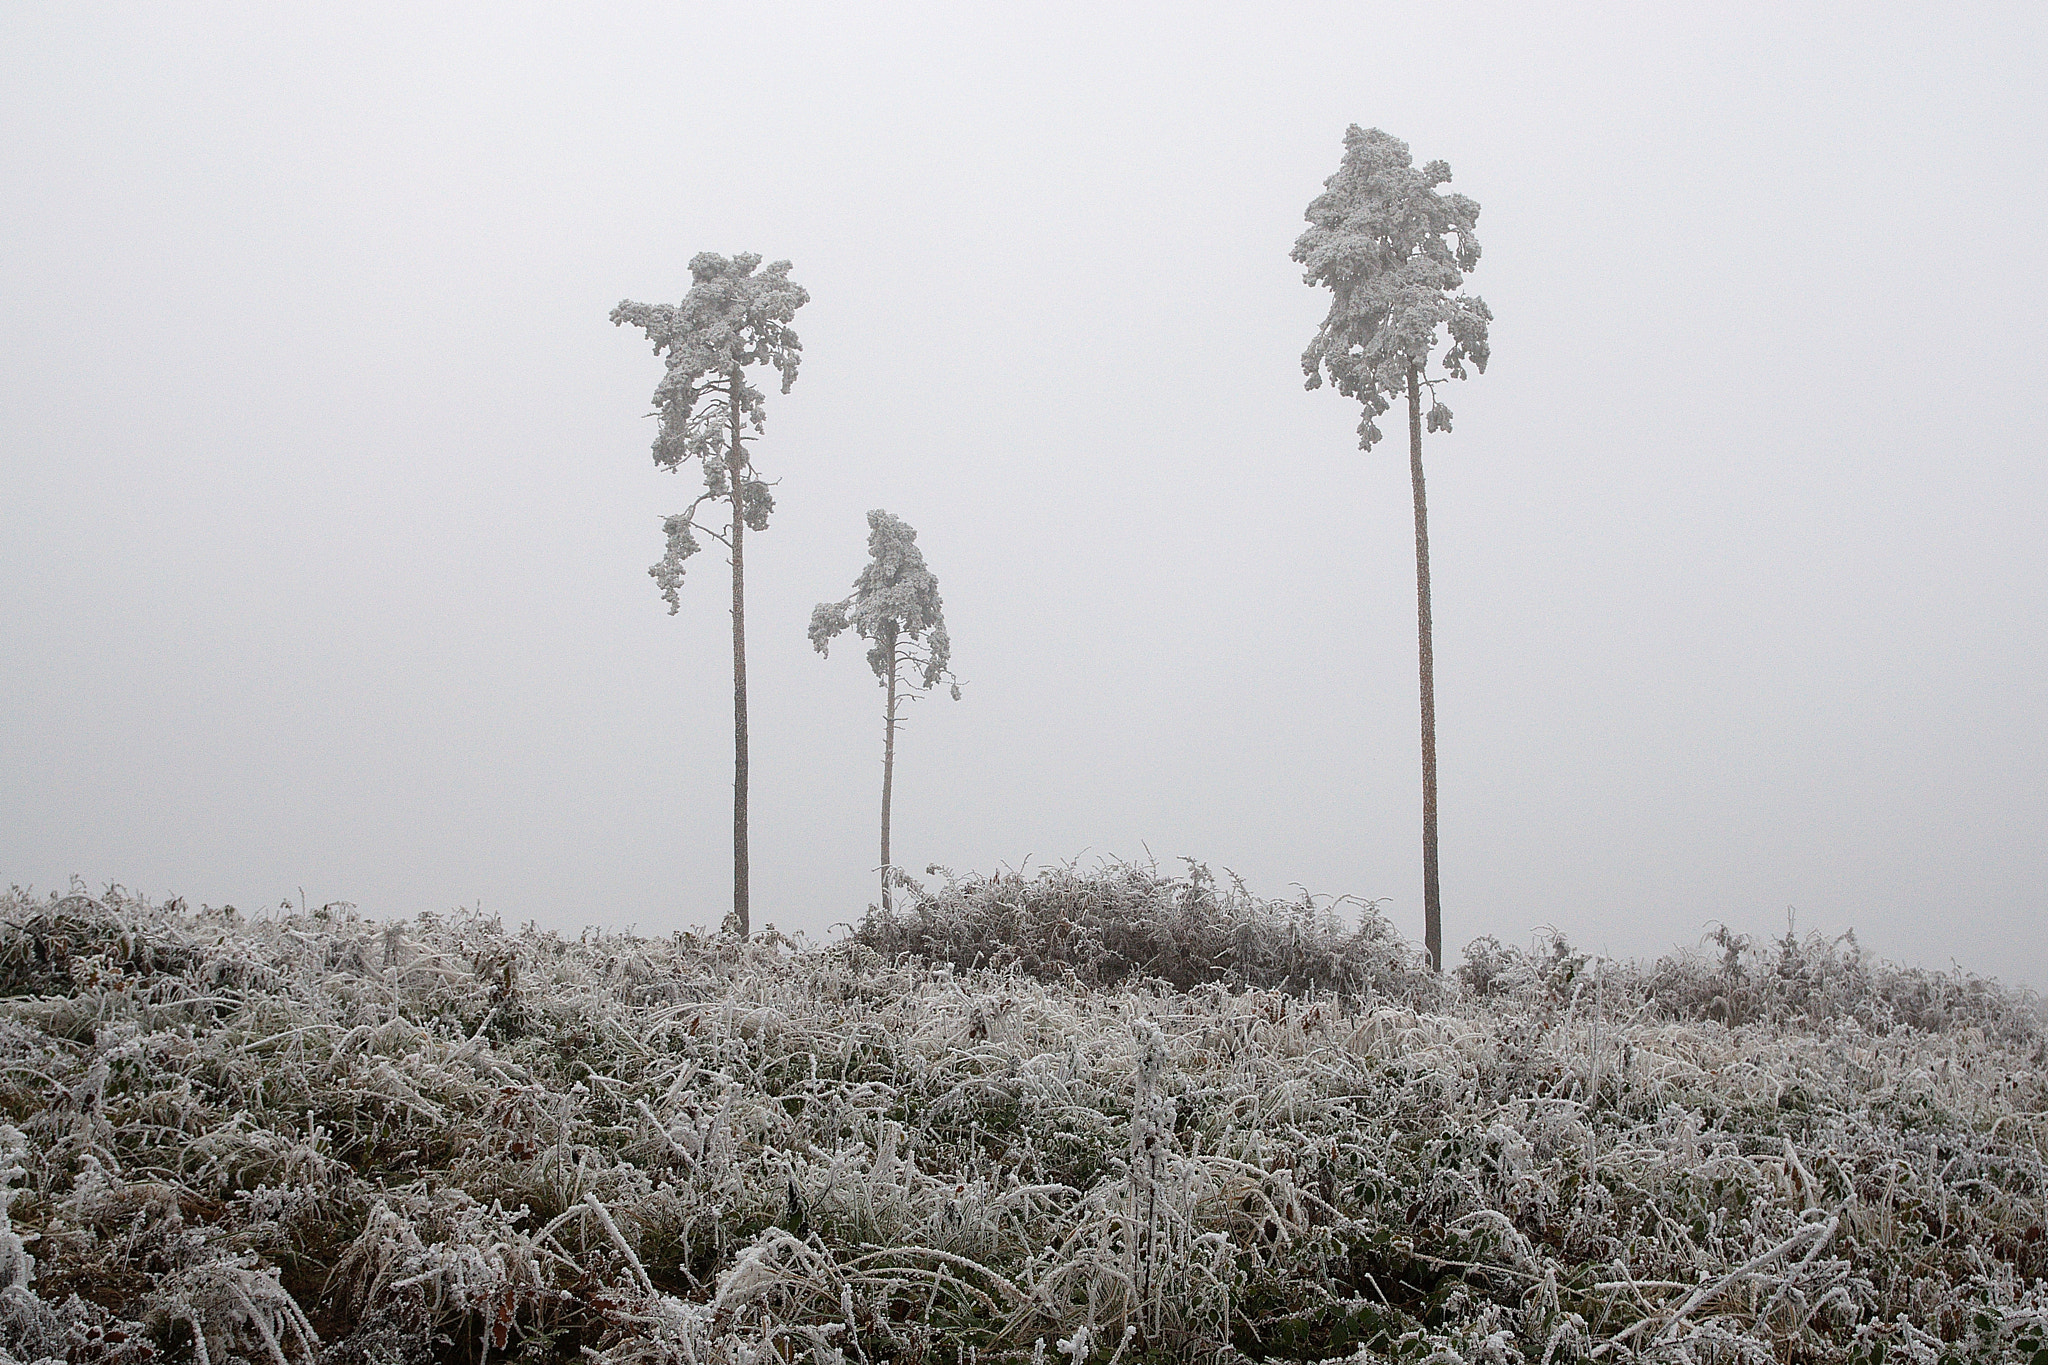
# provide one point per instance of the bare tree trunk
(733, 466)
(1432, 907)
(888, 771)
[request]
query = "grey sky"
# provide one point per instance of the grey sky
(326, 504)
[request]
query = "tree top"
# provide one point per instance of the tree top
(895, 599)
(731, 318)
(1393, 252)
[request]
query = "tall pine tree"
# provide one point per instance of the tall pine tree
(731, 318)
(1393, 253)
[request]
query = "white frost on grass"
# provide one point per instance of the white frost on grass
(1179, 1123)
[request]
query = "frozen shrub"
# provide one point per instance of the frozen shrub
(1123, 923)
(1737, 980)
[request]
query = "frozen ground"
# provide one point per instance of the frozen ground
(1090, 1115)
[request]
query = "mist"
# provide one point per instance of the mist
(326, 502)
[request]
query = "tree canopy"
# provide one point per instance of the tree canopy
(731, 318)
(1393, 252)
(895, 605)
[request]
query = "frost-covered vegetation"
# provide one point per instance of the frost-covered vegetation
(1126, 924)
(1104, 1116)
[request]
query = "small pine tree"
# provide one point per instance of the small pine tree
(730, 319)
(895, 606)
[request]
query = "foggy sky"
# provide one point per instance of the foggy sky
(326, 503)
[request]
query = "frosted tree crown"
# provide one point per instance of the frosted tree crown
(732, 318)
(895, 601)
(1393, 253)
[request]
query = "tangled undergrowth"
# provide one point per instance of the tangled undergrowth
(309, 1137)
(1124, 923)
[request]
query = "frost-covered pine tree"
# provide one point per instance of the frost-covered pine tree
(1393, 252)
(895, 606)
(731, 318)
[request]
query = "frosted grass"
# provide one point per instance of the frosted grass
(307, 1136)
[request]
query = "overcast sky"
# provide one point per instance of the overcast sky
(326, 502)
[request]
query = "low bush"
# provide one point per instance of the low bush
(1125, 923)
(1735, 979)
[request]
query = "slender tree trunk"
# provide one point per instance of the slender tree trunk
(733, 466)
(1432, 908)
(888, 771)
